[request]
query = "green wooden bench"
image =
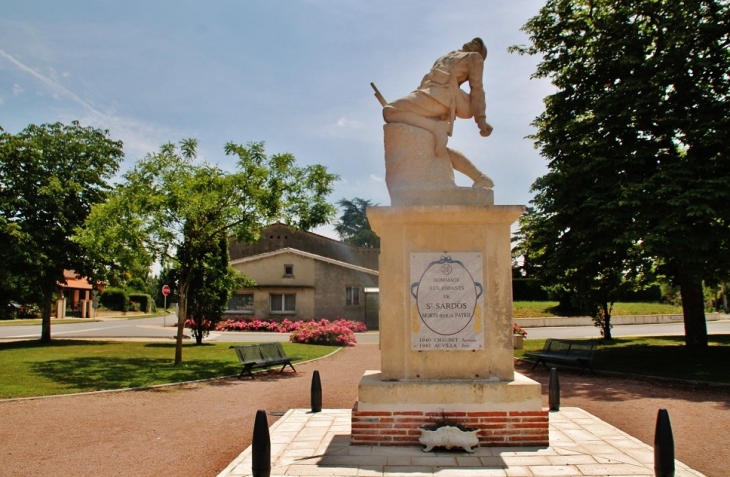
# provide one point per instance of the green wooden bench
(262, 355)
(566, 351)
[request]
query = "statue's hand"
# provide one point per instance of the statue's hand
(485, 129)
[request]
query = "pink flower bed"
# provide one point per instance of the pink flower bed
(324, 332)
(340, 332)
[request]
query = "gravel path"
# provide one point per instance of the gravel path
(198, 429)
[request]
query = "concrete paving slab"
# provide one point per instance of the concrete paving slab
(318, 444)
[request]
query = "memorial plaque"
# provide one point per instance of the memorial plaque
(447, 301)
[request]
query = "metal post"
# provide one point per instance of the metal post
(316, 393)
(663, 446)
(554, 390)
(261, 447)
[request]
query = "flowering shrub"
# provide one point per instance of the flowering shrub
(206, 325)
(29, 311)
(354, 326)
(518, 330)
(323, 332)
(339, 332)
(284, 326)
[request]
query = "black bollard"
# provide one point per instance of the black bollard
(261, 447)
(554, 390)
(316, 393)
(663, 446)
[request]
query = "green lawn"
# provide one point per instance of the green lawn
(533, 309)
(663, 356)
(68, 366)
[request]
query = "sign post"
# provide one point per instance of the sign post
(165, 292)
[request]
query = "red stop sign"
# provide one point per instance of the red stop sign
(165, 290)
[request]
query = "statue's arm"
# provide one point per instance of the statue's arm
(476, 92)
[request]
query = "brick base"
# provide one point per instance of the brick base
(496, 428)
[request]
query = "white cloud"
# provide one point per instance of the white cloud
(345, 128)
(55, 87)
(375, 178)
(348, 123)
(139, 137)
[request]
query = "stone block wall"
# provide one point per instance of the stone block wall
(496, 428)
(331, 281)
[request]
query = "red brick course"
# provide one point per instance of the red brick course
(496, 428)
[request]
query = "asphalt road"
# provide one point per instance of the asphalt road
(154, 328)
(158, 328)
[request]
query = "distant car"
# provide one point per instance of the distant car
(9, 311)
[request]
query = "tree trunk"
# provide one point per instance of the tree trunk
(199, 335)
(607, 322)
(181, 316)
(46, 315)
(693, 307)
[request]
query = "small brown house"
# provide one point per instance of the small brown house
(302, 275)
(76, 294)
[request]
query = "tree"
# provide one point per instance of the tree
(588, 264)
(171, 207)
(50, 177)
(212, 285)
(354, 227)
(636, 133)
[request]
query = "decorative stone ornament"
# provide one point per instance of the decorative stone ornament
(449, 437)
(518, 341)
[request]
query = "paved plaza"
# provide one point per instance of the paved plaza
(318, 444)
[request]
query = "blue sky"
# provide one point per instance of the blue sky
(294, 74)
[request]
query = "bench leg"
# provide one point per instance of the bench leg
(246, 370)
(585, 364)
(284, 367)
(540, 360)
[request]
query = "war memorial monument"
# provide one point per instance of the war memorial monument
(445, 279)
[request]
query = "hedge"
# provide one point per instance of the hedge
(145, 301)
(115, 299)
(528, 289)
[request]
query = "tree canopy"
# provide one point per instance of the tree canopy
(353, 226)
(636, 137)
(173, 208)
(50, 177)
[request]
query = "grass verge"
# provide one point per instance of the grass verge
(55, 321)
(37, 321)
(661, 356)
(28, 368)
(534, 309)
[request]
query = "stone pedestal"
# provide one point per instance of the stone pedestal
(416, 176)
(446, 330)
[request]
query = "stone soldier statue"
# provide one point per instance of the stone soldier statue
(439, 100)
